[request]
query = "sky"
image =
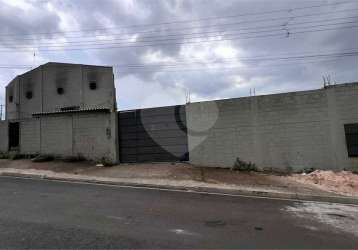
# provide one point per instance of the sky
(165, 51)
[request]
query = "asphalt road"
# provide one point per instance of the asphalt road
(48, 214)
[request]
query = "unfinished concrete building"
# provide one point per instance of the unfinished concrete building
(66, 110)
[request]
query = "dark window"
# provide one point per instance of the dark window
(351, 131)
(60, 91)
(11, 98)
(28, 94)
(93, 85)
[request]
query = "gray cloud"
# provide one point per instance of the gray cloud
(159, 85)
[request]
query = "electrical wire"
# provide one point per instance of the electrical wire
(241, 60)
(118, 46)
(183, 36)
(289, 10)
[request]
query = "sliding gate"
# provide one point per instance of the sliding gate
(153, 135)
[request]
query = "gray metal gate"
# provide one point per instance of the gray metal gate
(153, 135)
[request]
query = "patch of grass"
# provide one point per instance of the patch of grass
(4, 155)
(308, 170)
(15, 156)
(106, 162)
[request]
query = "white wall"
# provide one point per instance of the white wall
(287, 131)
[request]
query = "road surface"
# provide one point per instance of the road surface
(49, 214)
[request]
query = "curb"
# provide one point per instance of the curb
(208, 190)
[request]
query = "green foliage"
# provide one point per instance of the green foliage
(15, 156)
(106, 162)
(241, 165)
(4, 155)
(308, 170)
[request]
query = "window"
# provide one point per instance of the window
(11, 98)
(28, 94)
(93, 85)
(351, 131)
(60, 91)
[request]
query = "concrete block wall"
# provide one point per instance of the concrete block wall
(287, 131)
(94, 137)
(343, 103)
(56, 135)
(30, 136)
(90, 135)
(4, 137)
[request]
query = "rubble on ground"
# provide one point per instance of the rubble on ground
(342, 182)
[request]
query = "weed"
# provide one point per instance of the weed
(106, 162)
(4, 155)
(241, 165)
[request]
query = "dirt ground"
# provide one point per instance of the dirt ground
(342, 182)
(171, 173)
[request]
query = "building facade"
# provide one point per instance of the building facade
(70, 110)
(63, 110)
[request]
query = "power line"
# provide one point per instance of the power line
(249, 21)
(277, 28)
(27, 49)
(352, 53)
(113, 45)
(180, 69)
(237, 23)
(226, 59)
(293, 63)
(267, 59)
(288, 10)
(244, 59)
(248, 59)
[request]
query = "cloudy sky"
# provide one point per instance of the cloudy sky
(162, 50)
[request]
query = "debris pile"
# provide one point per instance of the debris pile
(342, 182)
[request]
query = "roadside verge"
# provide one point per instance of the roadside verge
(191, 186)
